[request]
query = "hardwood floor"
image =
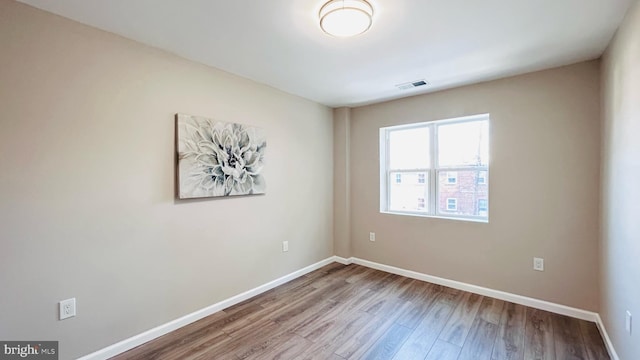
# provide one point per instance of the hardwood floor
(352, 312)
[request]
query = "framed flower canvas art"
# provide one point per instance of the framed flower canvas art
(218, 158)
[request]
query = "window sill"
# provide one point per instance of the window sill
(481, 221)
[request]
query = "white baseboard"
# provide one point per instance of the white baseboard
(518, 299)
(343, 261)
(514, 298)
(607, 340)
(163, 329)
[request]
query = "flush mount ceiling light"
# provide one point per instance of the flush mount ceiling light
(344, 18)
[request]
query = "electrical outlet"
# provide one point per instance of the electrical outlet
(285, 246)
(538, 264)
(372, 236)
(67, 308)
(628, 322)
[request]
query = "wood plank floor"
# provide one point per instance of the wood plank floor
(353, 312)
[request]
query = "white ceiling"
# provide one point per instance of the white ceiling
(279, 42)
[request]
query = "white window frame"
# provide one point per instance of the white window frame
(432, 173)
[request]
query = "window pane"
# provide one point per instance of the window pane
(463, 144)
(409, 148)
(410, 193)
(467, 196)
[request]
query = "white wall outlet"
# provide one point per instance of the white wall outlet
(628, 322)
(538, 264)
(67, 308)
(285, 246)
(372, 236)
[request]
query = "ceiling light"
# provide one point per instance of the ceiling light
(345, 18)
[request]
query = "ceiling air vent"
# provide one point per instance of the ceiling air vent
(412, 84)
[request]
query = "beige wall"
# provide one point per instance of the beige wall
(341, 182)
(87, 205)
(544, 181)
(620, 250)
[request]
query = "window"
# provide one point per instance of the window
(452, 204)
(452, 177)
(483, 206)
(437, 168)
(482, 178)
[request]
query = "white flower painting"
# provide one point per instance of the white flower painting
(218, 158)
